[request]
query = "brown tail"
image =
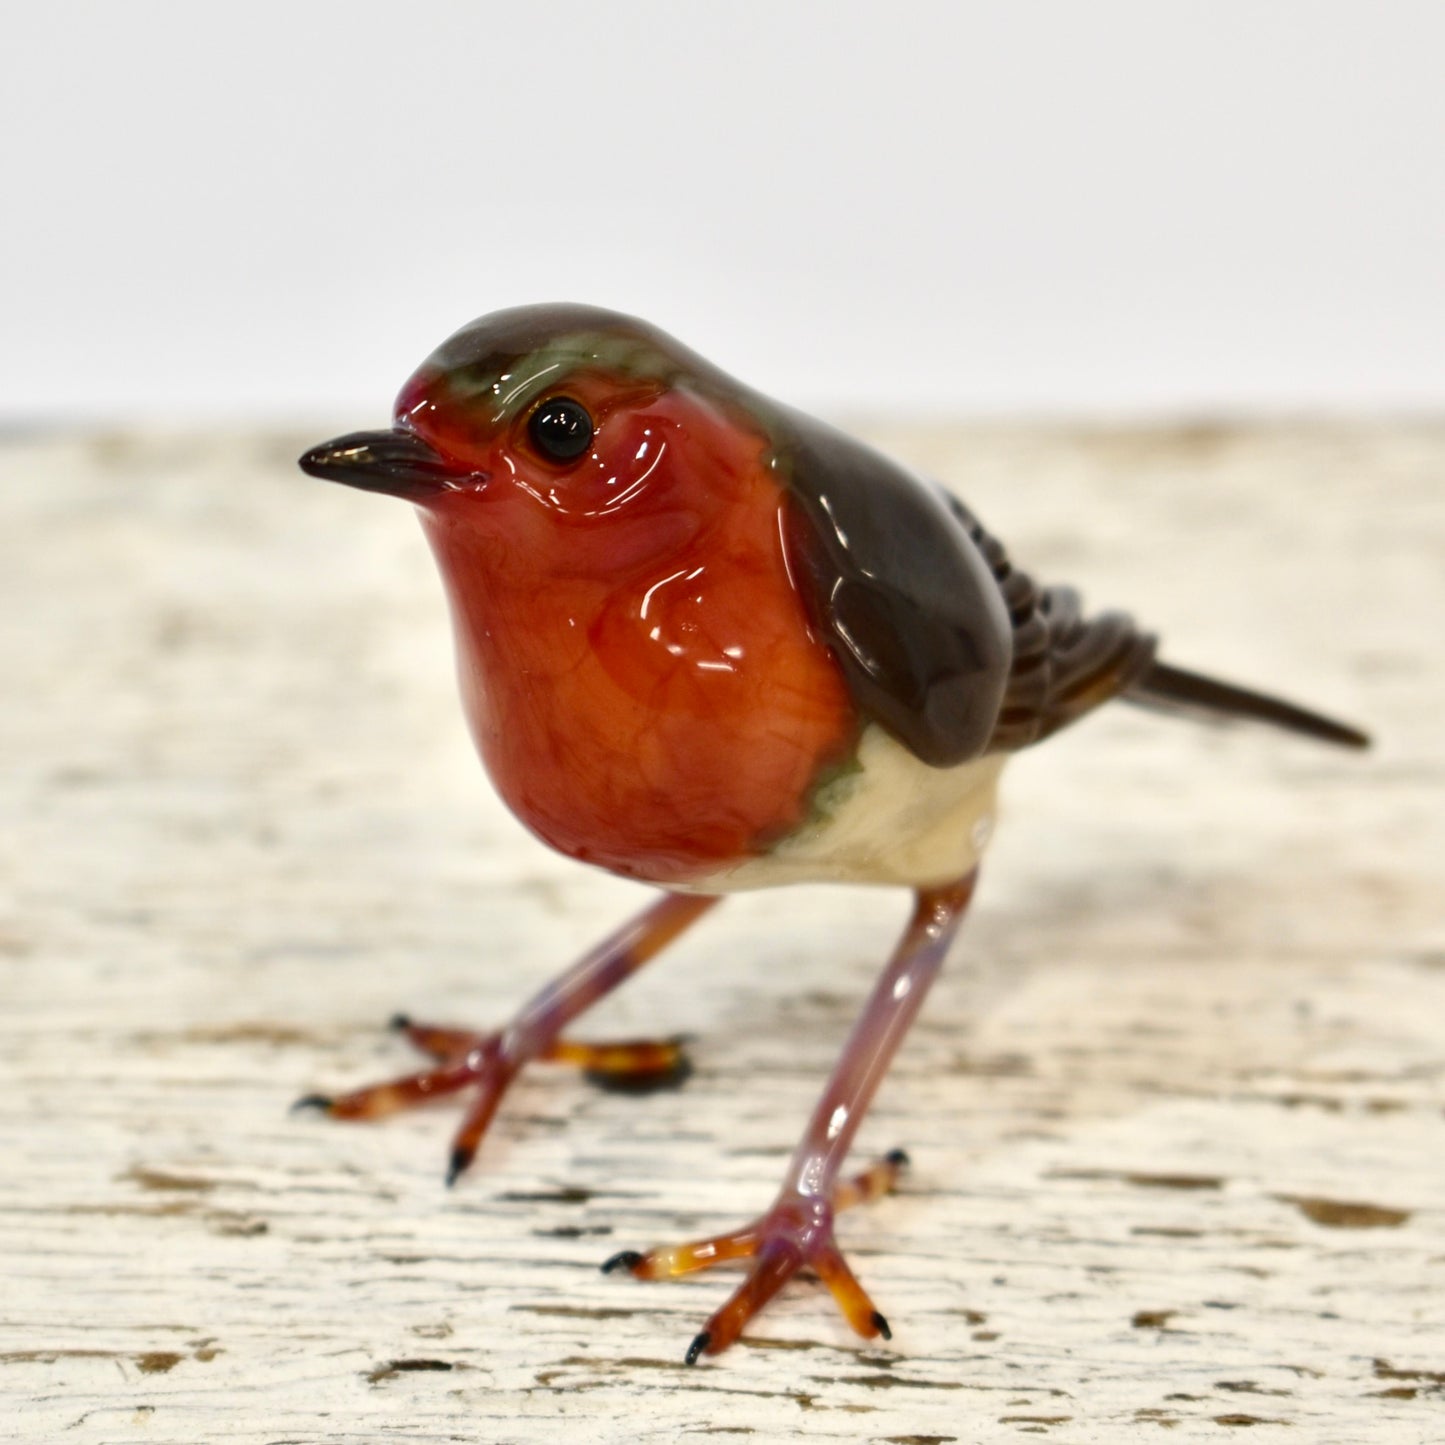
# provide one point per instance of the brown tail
(1175, 690)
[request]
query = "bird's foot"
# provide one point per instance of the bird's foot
(796, 1234)
(487, 1065)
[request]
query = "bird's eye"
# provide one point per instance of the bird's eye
(561, 429)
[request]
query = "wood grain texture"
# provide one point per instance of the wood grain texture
(1176, 1110)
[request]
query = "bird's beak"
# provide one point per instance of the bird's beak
(397, 462)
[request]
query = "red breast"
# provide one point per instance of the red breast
(636, 663)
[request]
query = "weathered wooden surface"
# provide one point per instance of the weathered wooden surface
(1177, 1112)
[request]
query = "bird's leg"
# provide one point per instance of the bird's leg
(488, 1062)
(797, 1231)
(628, 1066)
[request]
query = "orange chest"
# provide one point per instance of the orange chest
(658, 717)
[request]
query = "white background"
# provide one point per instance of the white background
(276, 209)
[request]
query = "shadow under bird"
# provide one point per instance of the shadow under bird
(707, 642)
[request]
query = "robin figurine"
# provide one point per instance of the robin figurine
(709, 643)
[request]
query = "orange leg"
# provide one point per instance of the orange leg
(488, 1062)
(781, 1242)
(797, 1232)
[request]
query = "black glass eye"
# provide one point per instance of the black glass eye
(561, 429)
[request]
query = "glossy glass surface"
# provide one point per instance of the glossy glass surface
(636, 664)
(678, 607)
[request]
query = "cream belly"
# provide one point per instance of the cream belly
(890, 819)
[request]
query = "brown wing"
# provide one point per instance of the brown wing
(896, 588)
(1064, 664)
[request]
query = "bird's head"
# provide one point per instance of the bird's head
(544, 422)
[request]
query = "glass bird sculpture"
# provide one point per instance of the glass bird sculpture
(709, 643)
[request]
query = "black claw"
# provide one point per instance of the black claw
(323, 1102)
(697, 1347)
(623, 1259)
(399, 1023)
(898, 1158)
(673, 1078)
(460, 1159)
(881, 1325)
